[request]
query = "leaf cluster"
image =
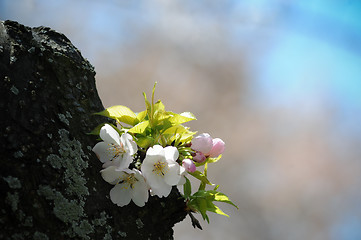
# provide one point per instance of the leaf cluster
(152, 126)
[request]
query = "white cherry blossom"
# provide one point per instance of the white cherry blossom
(161, 170)
(115, 150)
(129, 185)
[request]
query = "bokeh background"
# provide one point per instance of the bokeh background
(279, 81)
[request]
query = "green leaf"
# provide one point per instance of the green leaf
(155, 84)
(148, 106)
(179, 134)
(141, 115)
(187, 188)
(140, 127)
(200, 176)
(202, 208)
(213, 208)
(176, 119)
(144, 141)
(159, 106)
(120, 113)
(221, 197)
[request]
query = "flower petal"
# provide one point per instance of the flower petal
(110, 174)
(182, 173)
(157, 184)
(102, 150)
(172, 176)
(218, 148)
(109, 134)
(162, 190)
(189, 165)
(171, 152)
(120, 195)
(129, 144)
(202, 143)
(140, 191)
(182, 181)
(124, 161)
(156, 150)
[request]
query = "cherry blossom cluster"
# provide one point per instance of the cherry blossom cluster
(159, 171)
(152, 151)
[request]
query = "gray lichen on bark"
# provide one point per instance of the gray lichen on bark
(49, 178)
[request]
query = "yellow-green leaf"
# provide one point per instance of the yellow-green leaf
(213, 208)
(176, 119)
(158, 106)
(140, 127)
(141, 115)
(221, 197)
(120, 113)
(144, 142)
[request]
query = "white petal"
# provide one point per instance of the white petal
(129, 144)
(109, 134)
(109, 163)
(152, 179)
(156, 150)
(148, 164)
(140, 193)
(171, 152)
(172, 176)
(182, 181)
(102, 151)
(147, 167)
(158, 185)
(162, 191)
(182, 171)
(110, 174)
(120, 195)
(123, 161)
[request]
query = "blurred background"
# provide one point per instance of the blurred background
(278, 80)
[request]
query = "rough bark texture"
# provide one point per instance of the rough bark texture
(50, 182)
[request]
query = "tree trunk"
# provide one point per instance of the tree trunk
(50, 183)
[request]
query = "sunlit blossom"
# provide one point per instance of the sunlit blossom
(115, 150)
(129, 185)
(161, 169)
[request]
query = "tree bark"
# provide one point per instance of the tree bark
(50, 183)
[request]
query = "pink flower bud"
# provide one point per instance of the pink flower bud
(202, 143)
(199, 157)
(189, 165)
(218, 148)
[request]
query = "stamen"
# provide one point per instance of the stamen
(128, 181)
(160, 168)
(116, 150)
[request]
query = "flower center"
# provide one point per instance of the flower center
(128, 181)
(160, 168)
(117, 150)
